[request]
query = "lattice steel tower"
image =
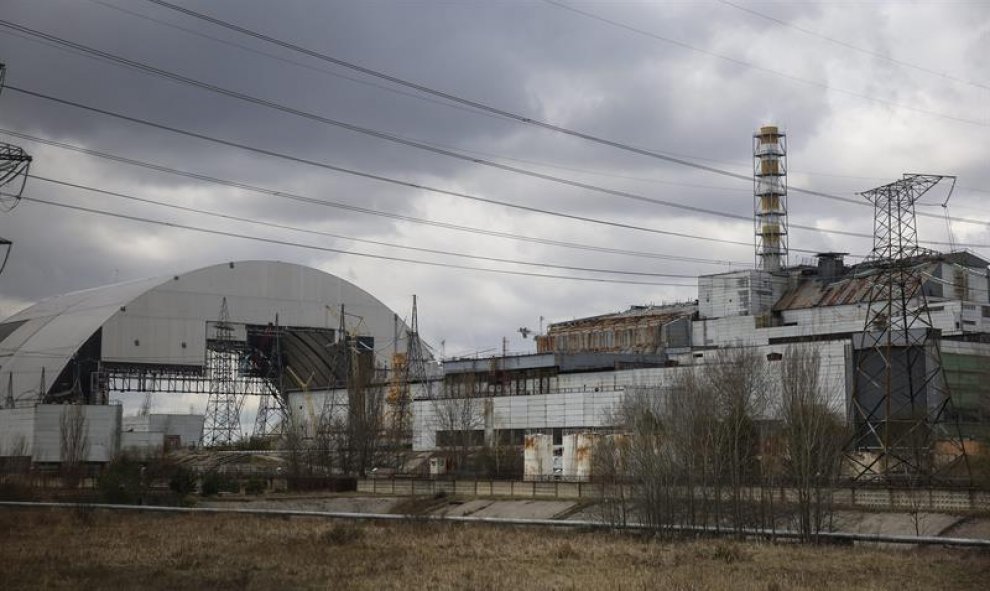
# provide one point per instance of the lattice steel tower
(770, 198)
(901, 405)
(271, 417)
(14, 166)
(223, 408)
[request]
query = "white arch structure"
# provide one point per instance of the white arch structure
(163, 321)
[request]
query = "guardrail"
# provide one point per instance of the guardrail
(866, 498)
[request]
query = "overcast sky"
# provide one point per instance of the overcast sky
(865, 91)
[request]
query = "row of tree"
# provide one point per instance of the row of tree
(720, 446)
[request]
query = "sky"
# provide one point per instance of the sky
(865, 91)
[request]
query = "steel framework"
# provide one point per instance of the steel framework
(223, 407)
(271, 417)
(901, 402)
(770, 198)
(14, 166)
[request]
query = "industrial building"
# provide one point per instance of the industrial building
(854, 315)
(230, 333)
(158, 433)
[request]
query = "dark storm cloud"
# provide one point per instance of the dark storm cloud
(527, 57)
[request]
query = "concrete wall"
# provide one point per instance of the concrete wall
(16, 431)
(188, 427)
(142, 442)
(102, 428)
(586, 400)
(738, 293)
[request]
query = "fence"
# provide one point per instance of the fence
(866, 498)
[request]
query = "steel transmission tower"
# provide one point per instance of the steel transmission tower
(223, 409)
(271, 416)
(901, 403)
(14, 166)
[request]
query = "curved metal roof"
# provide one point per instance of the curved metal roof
(163, 320)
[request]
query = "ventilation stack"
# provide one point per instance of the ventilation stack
(770, 198)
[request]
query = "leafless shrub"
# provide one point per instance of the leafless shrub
(458, 418)
(73, 444)
(713, 447)
(813, 438)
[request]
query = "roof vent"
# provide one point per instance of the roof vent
(830, 265)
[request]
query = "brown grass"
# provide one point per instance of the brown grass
(79, 549)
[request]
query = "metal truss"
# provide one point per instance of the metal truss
(900, 400)
(14, 166)
(223, 407)
(271, 417)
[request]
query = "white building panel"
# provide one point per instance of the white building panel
(187, 427)
(142, 442)
(16, 431)
(102, 431)
(130, 335)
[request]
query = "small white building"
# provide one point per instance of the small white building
(41, 432)
(160, 431)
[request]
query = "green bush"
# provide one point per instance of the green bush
(255, 486)
(182, 481)
(13, 488)
(121, 482)
(214, 483)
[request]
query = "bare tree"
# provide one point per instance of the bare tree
(813, 437)
(294, 443)
(327, 438)
(693, 445)
(73, 444)
(610, 476)
(459, 420)
(738, 383)
(693, 429)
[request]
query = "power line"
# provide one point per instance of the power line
(310, 162)
(412, 143)
(753, 66)
(364, 210)
(564, 181)
(286, 60)
(368, 131)
(445, 152)
(275, 241)
(863, 50)
(271, 224)
(460, 108)
(453, 154)
(476, 104)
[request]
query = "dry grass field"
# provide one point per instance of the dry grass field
(90, 550)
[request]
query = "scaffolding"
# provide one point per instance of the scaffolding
(770, 198)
